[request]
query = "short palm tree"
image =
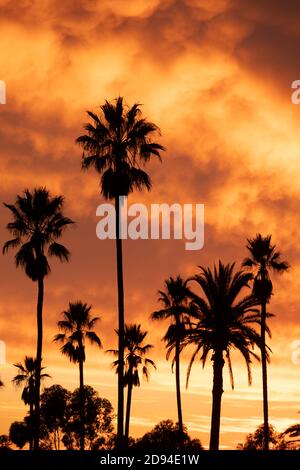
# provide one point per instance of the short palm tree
(117, 141)
(135, 352)
(174, 299)
(26, 376)
(37, 223)
(263, 259)
(225, 320)
(77, 325)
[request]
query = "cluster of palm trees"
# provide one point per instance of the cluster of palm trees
(218, 317)
(116, 143)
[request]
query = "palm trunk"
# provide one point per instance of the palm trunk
(216, 397)
(31, 417)
(38, 360)
(55, 439)
(177, 374)
(120, 422)
(128, 408)
(81, 404)
(264, 375)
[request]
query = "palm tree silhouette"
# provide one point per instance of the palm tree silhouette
(174, 298)
(77, 325)
(224, 321)
(38, 222)
(264, 258)
(26, 376)
(116, 142)
(135, 360)
(1, 384)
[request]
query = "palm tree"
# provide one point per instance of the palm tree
(135, 360)
(1, 384)
(117, 141)
(37, 223)
(26, 376)
(224, 321)
(77, 325)
(263, 259)
(174, 299)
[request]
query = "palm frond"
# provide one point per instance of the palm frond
(94, 338)
(58, 250)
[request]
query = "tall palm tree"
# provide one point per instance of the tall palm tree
(37, 223)
(135, 360)
(26, 376)
(117, 141)
(77, 325)
(224, 321)
(174, 299)
(263, 259)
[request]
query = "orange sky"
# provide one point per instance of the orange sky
(216, 79)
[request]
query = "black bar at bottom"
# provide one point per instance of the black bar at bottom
(57, 460)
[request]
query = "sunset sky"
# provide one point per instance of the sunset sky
(216, 77)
